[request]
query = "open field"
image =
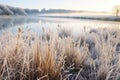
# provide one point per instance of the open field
(83, 15)
(103, 18)
(91, 55)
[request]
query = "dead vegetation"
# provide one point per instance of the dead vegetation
(93, 55)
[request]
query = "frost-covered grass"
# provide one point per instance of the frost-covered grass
(92, 55)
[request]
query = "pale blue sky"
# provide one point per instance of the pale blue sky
(91, 5)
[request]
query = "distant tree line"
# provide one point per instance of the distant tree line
(63, 11)
(9, 10)
(55, 11)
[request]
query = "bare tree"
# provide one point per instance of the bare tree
(116, 10)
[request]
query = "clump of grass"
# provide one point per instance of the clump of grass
(74, 54)
(62, 32)
(46, 61)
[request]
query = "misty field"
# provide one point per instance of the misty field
(91, 55)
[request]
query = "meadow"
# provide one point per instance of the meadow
(91, 55)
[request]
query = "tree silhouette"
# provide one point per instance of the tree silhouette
(116, 10)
